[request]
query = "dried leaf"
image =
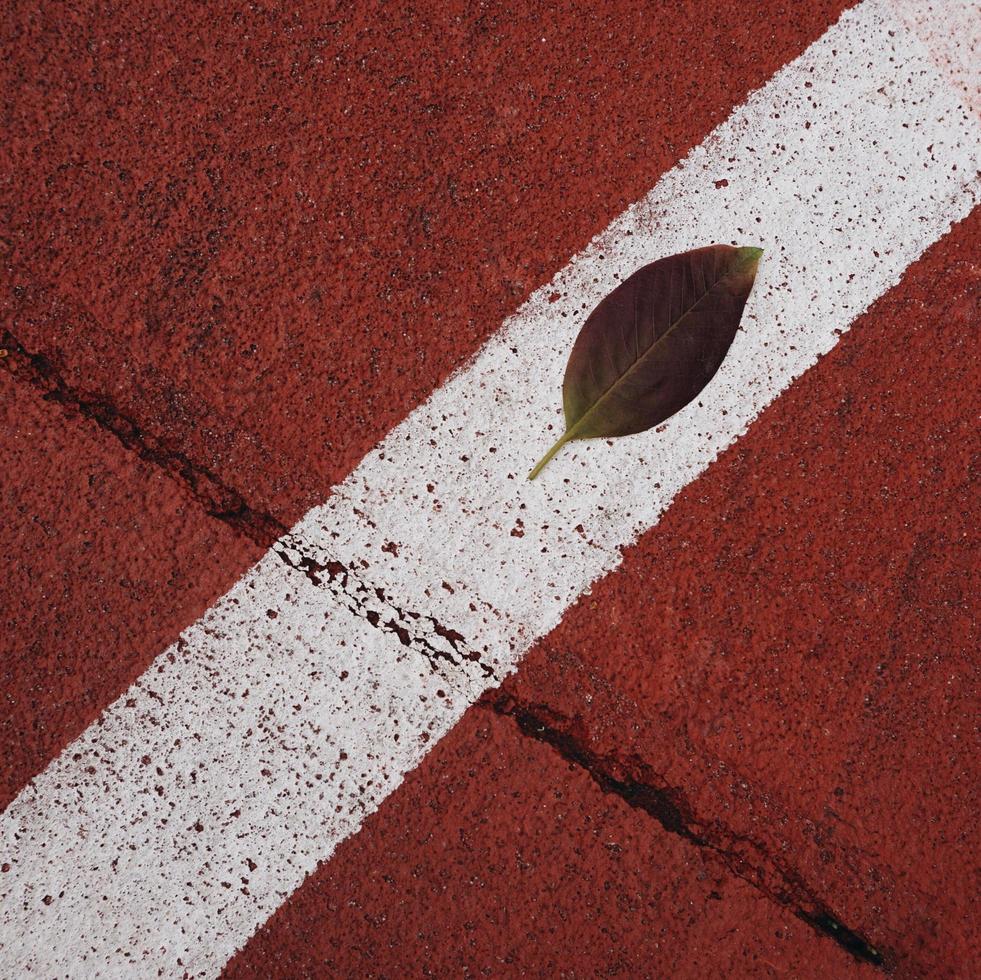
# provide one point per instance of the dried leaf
(654, 343)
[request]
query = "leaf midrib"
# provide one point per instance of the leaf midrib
(571, 433)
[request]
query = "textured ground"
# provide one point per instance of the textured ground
(773, 701)
(239, 245)
(217, 246)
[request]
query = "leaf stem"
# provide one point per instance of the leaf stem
(541, 463)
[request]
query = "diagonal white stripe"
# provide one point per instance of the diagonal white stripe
(169, 831)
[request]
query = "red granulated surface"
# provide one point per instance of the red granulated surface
(786, 660)
(795, 643)
(258, 238)
(497, 858)
(253, 241)
(105, 561)
(267, 234)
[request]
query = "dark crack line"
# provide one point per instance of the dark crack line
(225, 504)
(379, 610)
(643, 789)
(220, 501)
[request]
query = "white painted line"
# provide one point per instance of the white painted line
(167, 833)
(844, 168)
(951, 32)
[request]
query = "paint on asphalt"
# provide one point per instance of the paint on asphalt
(191, 705)
(183, 253)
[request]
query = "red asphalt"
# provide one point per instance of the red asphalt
(253, 241)
(248, 243)
(779, 681)
(498, 858)
(97, 543)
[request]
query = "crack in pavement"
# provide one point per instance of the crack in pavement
(631, 780)
(219, 500)
(643, 789)
(425, 634)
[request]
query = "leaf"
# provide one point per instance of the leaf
(654, 343)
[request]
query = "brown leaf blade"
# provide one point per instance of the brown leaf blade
(654, 343)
